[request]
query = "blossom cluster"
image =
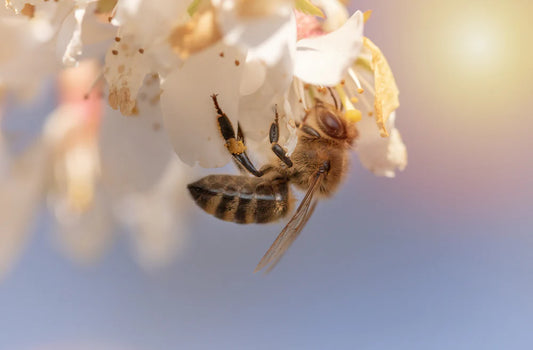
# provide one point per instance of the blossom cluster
(138, 94)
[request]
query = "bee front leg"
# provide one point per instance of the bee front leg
(234, 145)
(274, 137)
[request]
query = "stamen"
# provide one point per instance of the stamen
(303, 95)
(311, 92)
(367, 15)
(352, 114)
(354, 77)
(360, 82)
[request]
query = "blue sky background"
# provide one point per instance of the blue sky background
(441, 257)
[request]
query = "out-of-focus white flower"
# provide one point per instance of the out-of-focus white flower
(21, 184)
(157, 218)
(87, 166)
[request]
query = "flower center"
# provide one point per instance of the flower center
(307, 26)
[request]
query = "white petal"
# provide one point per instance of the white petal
(277, 72)
(264, 38)
(335, 11)
(157, 217)
(381, 155)
(21, 182)
(256, 110)
(324, 60)
(125, 69)
(95, 35)
(134, 150)
(253, 76)
(74, 47)
(147, 20)
(22, 42)
(83, 235)
(189, 115)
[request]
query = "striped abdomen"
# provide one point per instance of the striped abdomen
(241, 199)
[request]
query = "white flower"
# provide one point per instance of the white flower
(249, 81)
(157, 218)
(20, 187)
(88, 166)
(50, 31)
(371, 84)
(164, 59)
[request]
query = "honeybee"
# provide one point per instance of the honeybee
(317, 165)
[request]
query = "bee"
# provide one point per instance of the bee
(317, 166)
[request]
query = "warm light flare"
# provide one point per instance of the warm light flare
(478, 44)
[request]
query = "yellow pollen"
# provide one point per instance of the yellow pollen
(360, 90)
(235, 147)
(367, 15)
(352, 114)
(354, 99)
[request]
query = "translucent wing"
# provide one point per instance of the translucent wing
(291, 231)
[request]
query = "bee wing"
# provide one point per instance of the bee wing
(293, 228)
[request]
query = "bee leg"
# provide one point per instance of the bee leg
(274, 137)
(234, 145)
(240, 137)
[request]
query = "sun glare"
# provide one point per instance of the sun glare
(479, 45)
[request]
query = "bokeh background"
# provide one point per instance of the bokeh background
(440, 257)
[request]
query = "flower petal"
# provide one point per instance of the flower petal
(84, 235)
(189, 115)
(254, 75)
(195, 35)
(325, 59)
(335, 11)
(147, 20)
(386, 92)
(134, 150)
(125, 69)
(22, 41)
(21, 183)
(157, 217)
(380, 155)
(264, 36)
(256, 110)
(74, 47)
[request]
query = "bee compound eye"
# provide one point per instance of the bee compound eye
(332, 125)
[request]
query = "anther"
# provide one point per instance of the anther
(352, 114)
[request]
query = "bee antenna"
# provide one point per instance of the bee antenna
(333, 97)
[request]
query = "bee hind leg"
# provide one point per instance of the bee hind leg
(274, 137)
(235, 145)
